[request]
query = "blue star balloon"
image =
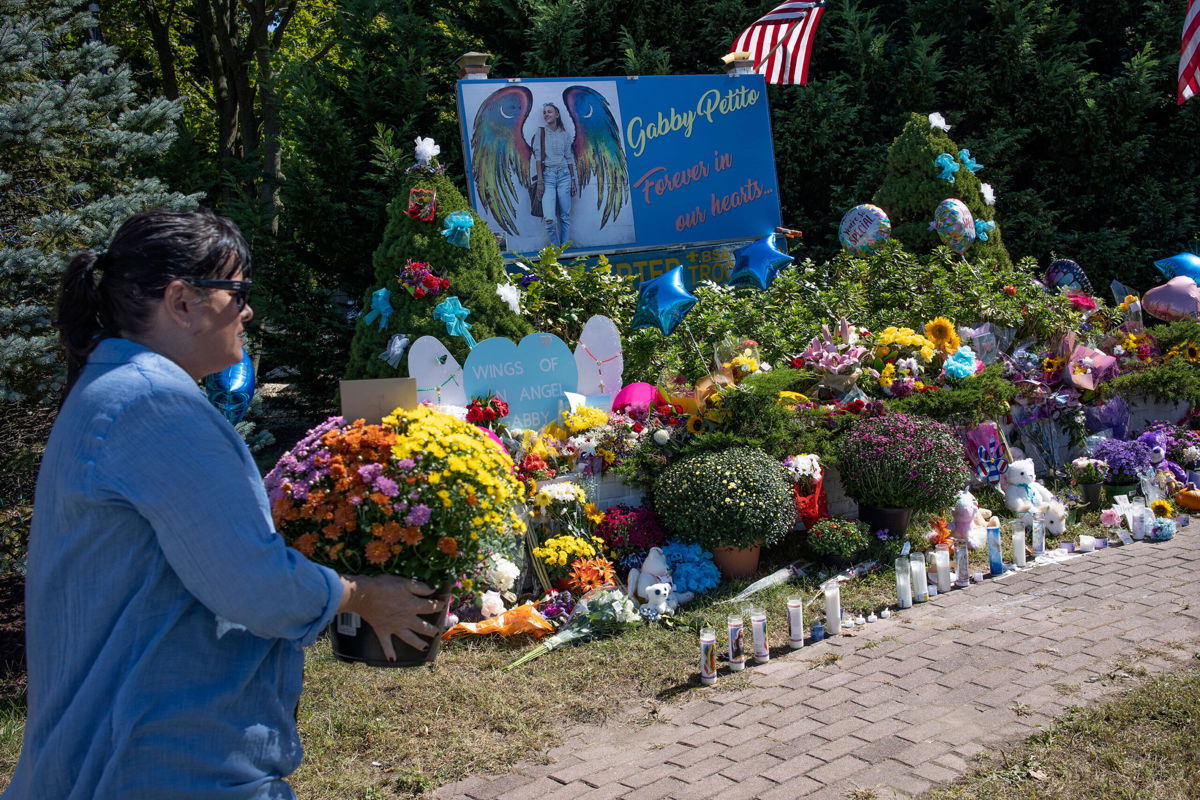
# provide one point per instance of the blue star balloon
(1185, 264)
(758, 263)
(231, 390)
(663, 302)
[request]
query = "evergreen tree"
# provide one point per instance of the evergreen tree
(473, 275)
(72, 138)
(911, 190)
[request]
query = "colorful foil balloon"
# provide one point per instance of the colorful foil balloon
(758, 263)
(231, 390)
(1178, 298)
(1064, 274)
(864, 229)
(663, 302)
(986, 452)
(1185, 264)
(954, 225)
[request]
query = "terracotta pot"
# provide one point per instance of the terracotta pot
(355, 641)
(737, 562)
(893, 520)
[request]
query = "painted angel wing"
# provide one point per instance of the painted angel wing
(597, 149)
(498, 149)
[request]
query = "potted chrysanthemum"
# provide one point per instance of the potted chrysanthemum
(423, 495)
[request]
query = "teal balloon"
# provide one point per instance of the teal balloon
(663, 302)
(231, 390)
(1185, 264)
(758, 263)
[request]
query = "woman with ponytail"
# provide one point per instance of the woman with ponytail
(166, 619)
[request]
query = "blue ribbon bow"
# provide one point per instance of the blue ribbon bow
(964, 156)
(458, 228)
(381, 307)
(948, 166)
(982, 228)
(395, 350)
(452, 312)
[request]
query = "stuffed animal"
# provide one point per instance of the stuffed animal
(971, 521)
(653, 570)
(658, 599)
(1055, 518)
(1157, 442)
(1022, 492)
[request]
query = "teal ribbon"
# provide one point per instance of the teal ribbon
(964, 156)
(458, 228)
(982, 228)
(452, 312)
(948, 166)
(381, 308)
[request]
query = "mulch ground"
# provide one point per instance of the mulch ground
(12, 637)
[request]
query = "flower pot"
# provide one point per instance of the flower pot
(1101, 542)
(893, 520)
(1115, 489)
(1091, 496)
(735, 562)
(355, 641)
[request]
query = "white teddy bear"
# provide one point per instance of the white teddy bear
(658, 599)
(1022, 492)
(654, 570)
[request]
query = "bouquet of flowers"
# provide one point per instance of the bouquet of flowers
(602, 612)
(419, 280)
(563, 508)
(902, 461)
(839, 539)
(840, 358)
(625, 529)
(1125, 460)
(805, 471)
(559, 553)
(418, 496)
(486, 410)
(1088, 470)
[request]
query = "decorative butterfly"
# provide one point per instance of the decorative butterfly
(501, 153)
(1065, 275)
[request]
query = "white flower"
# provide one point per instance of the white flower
(662, 436)
(500, 572)
(426, 150)
(511, 295)
(989, 194)
(936, 120)
(492, 605)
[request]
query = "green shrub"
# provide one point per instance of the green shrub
(964, 402)
(1176, 379)
(565, 296)
(838, 539)
(732, 498)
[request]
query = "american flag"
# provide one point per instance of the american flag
(781, 42)
(1189, 53)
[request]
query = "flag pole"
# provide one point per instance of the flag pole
(785, 36)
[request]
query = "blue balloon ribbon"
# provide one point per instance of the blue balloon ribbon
(982, 228)
(964, 156)
(663, 302)
(381, 308)
(758, 263)
(452, 312)
(458, 228)
(948, 166)
(231, 390)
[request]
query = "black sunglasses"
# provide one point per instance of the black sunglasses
(240, 289)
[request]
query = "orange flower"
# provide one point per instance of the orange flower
(307, 544)
(378, 552)
(942, 535)
(379, 498)
(332, 531)
(472, 499)
(591, 573)
(411, 536)
(448, 545)
(390, 532)
(332, 551)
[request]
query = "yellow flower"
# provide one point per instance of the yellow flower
(695, 425)
(1191, 351)
(593, 513)
(887, 375)
(927, 354)
(1162, 508)
(941, 332)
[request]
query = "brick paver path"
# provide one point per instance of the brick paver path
(908, 702)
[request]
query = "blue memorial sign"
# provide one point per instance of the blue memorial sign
(533, 377)
(621, 164)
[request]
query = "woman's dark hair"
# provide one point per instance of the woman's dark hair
(561, 126)
(106, 293)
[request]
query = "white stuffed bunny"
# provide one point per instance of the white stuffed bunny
(1022, 492)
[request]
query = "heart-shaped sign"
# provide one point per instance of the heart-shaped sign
(439, 377)
(599, 357)
(533, 377)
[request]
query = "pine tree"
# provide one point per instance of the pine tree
(473, 275)
(911, 190)
(72, 137)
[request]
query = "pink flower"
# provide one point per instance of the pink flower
(1081, 302)
(1110, 517)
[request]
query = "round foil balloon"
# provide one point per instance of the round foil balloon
(864, 228)
(1178, 298)
(1185, 264)
(232, 389)
(954, 224)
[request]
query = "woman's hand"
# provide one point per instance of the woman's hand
(574, 188)
(391, 605)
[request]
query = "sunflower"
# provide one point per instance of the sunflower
(695, 425)
(1051, 364)
(1191, 351)
(941, 332)
(1162, 508)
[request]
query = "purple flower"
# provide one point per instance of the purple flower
(405, 464)
(386, 486)
(419, 515)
